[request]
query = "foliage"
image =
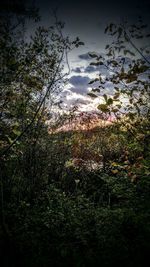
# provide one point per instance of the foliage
(71, 198)
(127, 68)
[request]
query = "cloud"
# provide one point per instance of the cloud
(79, 81)
(78, 100)
(74, 99)
(77, 69)
(65, 93)
(90, 69)
(76, 94)
(85, 56)
(79, 90)
(109, 87)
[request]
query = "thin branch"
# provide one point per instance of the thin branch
(37, 111)
(134, 46)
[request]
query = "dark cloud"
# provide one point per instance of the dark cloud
(77, 69)
(90, 69)
(85, 56)
(79, 81)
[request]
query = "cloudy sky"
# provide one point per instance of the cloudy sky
(88, 19)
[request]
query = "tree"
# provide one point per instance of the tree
(31, 72)
(128, 70)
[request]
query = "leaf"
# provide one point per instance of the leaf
(116, 88)
(96, 63)
(120, 30)
(133, 178)
(77, 181)
(93, 55)
(114, 171)
(93, 81)
(16, 132)
(118, 106)
(105, 97)
(10, 140)
(114, 164)
(81, 43)
(114, 63)
(106, 29)
(115, 110)
(96, 90)
(92, 95)
(116, 95)
(103, 108)
(109, 101)
(128, 52)
(16, 124)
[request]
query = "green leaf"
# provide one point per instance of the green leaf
(116, 95)
(96, 90)
(16, 132)
(118, 106)
(110, 101)
(10, 140)
(115, 110)
(103, 108)
(105, 97)
(92, 95)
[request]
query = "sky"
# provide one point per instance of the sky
(87, 20)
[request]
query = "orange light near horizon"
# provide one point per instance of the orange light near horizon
(83, 123)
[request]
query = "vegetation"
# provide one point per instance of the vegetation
(77, 197)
